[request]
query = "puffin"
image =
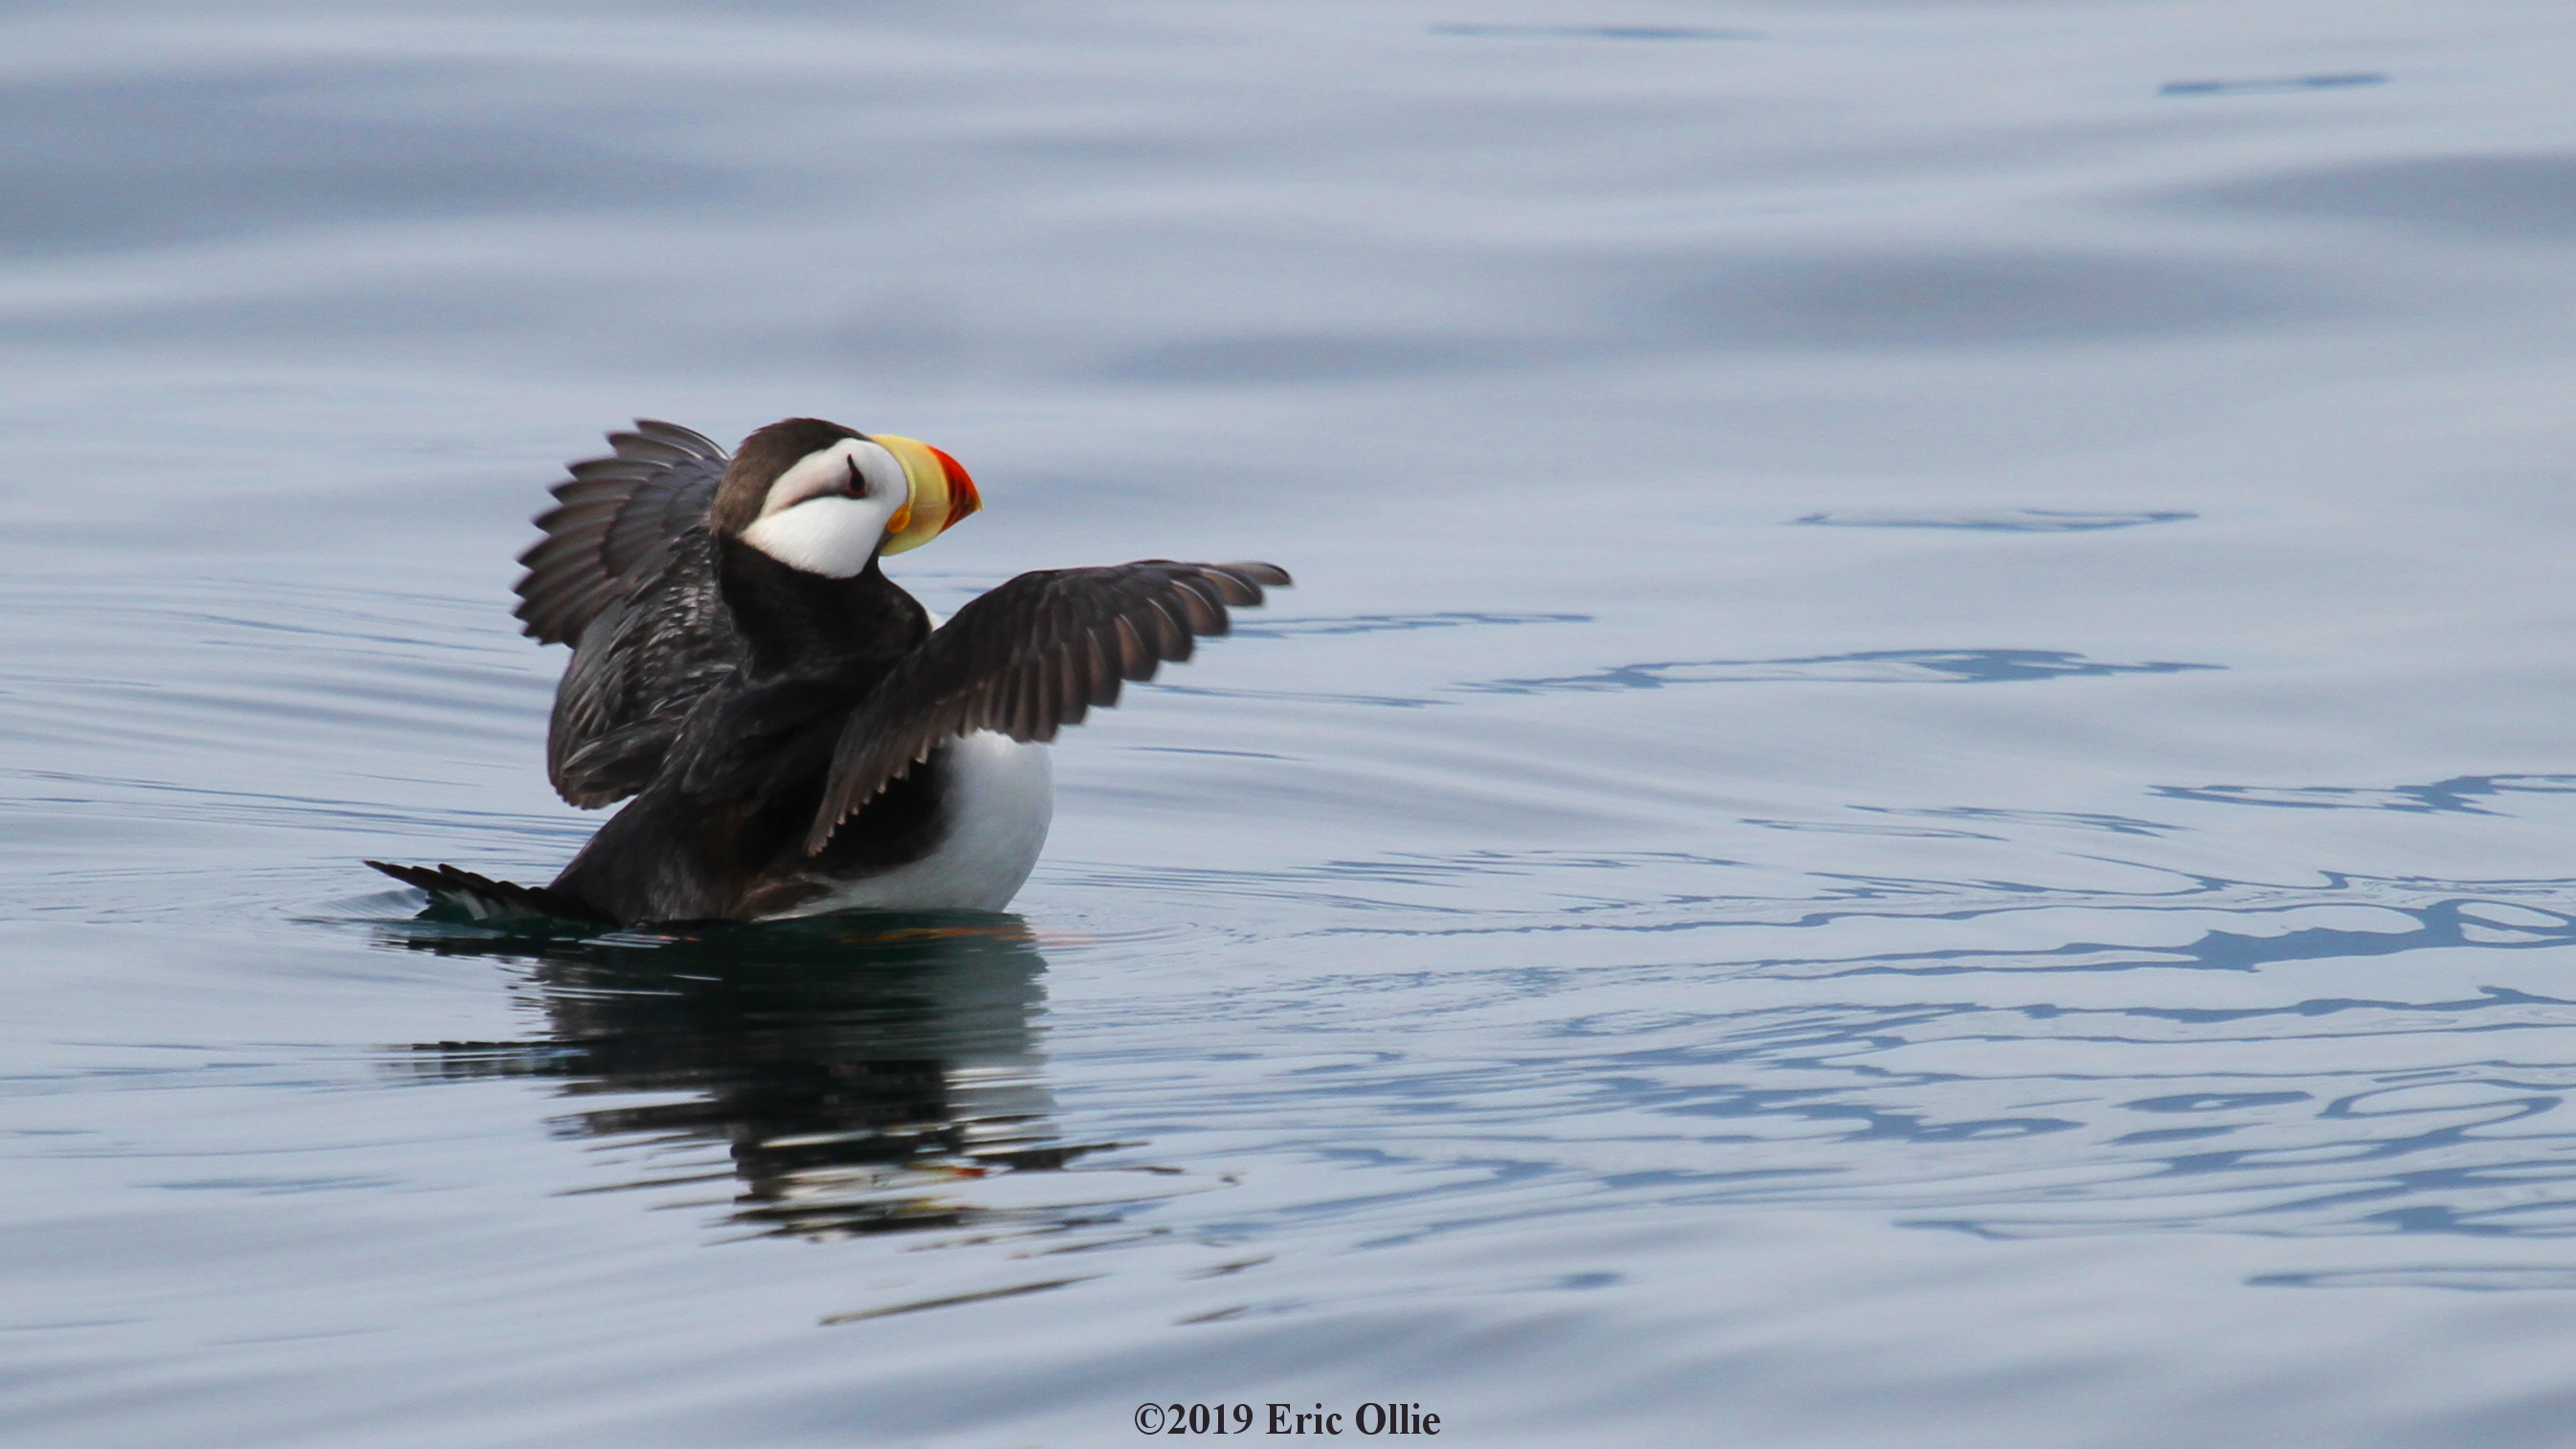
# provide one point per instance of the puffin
(794, 734)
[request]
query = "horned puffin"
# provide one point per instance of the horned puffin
(797, 734)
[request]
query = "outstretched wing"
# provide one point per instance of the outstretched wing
(1028, 659)
(615, 517)
(626, 575)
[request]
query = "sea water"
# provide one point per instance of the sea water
(1917, 790)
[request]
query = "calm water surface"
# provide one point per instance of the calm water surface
(1917, 792)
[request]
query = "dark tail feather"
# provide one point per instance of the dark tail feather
(481, 898)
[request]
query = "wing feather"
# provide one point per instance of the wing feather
(1029, 659)
(1171, 633)
(613, 519)
(1135, 656)
(626, 575)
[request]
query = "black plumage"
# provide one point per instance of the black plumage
(781, 732)
(1028, 659)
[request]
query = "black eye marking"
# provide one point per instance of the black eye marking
(858, 481)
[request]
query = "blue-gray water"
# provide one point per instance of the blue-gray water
(1918, 792)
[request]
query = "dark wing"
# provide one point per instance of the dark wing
(626, 575)
(1028, 659)
(640, 667)
(613, 517)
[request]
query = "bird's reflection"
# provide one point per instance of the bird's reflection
(856, 1072)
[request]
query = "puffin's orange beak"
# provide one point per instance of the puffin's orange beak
(941, 493)
(962, 497)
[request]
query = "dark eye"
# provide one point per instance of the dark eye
(858, 485)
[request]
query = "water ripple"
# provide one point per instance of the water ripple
(1880, 666)
(2453, 796)
(1992, 520)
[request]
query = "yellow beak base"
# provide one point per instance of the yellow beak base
(942, 494)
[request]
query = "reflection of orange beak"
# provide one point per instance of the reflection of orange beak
(941, 493)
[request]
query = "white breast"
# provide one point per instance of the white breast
(1001, 798)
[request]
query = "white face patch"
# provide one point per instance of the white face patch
(809, 521)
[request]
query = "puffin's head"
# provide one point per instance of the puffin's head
(819, 497)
